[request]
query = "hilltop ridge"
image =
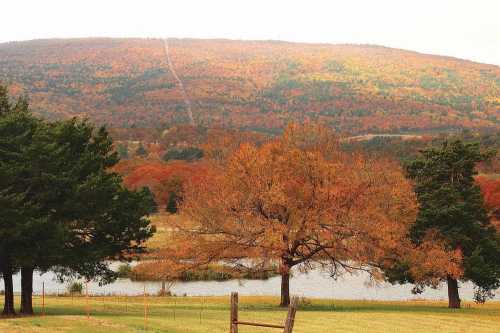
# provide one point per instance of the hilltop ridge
(251, 84)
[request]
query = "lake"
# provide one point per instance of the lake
(316, 283)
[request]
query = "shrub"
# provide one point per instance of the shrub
(211, 272)
(141, 151)
(124, 271)
(122, 151)
(75, 287)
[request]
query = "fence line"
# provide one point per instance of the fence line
(90, 305)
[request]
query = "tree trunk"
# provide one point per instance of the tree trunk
(453, 296)
(8, 307)
(27, 290)
(163, 291)
(285, 285)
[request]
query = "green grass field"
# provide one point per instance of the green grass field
(211, 315)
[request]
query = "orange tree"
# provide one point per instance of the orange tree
(297, 200)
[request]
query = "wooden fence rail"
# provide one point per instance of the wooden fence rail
(287, 327)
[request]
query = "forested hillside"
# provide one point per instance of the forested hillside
(251, 85)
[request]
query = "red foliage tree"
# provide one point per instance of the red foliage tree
(491, 191)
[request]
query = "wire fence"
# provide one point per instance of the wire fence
(148, 312)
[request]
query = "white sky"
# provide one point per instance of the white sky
(467, 29)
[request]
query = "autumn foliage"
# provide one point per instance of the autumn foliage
(161, 178)
(251, 85)
(296, 200)
(490, 188)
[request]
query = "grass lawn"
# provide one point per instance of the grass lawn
(211, 315)
(163, 223)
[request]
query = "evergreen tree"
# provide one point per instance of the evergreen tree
(141, 151)
(154, 205)
(452, 204)
(5, 105)
(172, 203)
(186, 154)
(17, 128)
(122, 151)
(67, 212)
(84, 214)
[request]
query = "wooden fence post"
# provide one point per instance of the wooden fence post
(234, 313)
(201, 309)
(288, 327)
(145, 310)
(290, 318)
(175, 305)
(43, 298)
(87, 298)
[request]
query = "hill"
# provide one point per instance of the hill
(251, 85)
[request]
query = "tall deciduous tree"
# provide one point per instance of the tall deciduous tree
(452, 211)
(297, 200)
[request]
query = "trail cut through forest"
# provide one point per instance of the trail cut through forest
(179, 82)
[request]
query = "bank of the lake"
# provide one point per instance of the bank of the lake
(315, 284)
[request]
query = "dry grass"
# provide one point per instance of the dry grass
(163, 223)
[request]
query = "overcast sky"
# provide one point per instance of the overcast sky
(467, 29)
